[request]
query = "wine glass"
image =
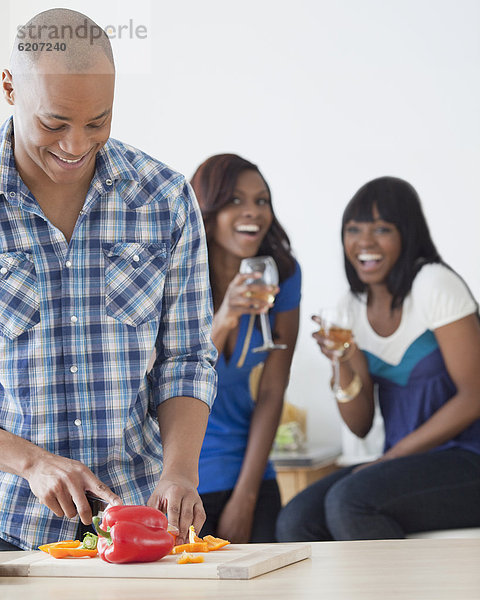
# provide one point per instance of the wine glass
(336, 327)
(267, 267)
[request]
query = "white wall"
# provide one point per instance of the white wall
(323, 95)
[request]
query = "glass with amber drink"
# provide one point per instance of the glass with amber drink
(336, 327)
(268, 268)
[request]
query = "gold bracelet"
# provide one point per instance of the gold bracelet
(352, 389)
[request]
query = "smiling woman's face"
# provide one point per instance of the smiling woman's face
(241, 225)
(373, 248)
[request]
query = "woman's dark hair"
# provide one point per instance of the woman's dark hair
(397, 202)
(214, 183)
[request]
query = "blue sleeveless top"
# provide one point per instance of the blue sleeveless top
(229, 421)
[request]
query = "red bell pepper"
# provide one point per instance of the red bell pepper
(145, 515)
(133, 534)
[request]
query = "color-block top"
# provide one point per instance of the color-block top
(408, 366)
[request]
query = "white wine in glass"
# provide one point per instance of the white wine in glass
(336, 327)
(267, 267)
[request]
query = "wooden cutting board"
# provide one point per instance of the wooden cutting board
(236, 561)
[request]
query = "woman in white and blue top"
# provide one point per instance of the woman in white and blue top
(417, 335)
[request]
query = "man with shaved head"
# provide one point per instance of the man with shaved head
(106, 360)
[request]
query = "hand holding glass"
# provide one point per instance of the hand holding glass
(267, 267)
(336, 328)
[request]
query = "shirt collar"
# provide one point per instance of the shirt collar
(112, 167)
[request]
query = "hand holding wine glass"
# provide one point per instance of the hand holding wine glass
(334, 337)
(258, 289)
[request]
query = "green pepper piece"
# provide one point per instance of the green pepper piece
(89, 541)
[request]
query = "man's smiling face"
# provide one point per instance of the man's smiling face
(61, 121)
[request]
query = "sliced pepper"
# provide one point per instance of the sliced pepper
(187, 558)
(192, 536)
(72, 548)
(79, 552)
(90, 541)
(65, 544)
(195, 547)
(215, 543)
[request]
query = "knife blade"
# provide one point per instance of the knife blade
(97, 505)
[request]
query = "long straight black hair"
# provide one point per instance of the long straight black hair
(397, 202)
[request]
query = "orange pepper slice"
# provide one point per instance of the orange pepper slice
(187, 558)
(195, 547)
(197, 544)
(215, 543)
(64, 544)
(72, 552)
(67, 549)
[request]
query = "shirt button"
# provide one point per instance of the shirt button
(3, 270)
(73, 369)
(136, 258)
(68, 264)
(73, 319)
(77, 422)
(108, 181)
(12, 194)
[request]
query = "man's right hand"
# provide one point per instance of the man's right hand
(60, 483)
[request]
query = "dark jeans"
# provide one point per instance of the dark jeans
(4, 546)
(266, 511)
(422, 492)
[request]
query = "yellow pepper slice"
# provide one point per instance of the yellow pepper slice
(187, 558)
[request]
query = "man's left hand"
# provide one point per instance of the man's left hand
(178, 498)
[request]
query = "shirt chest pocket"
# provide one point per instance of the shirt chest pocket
(134, 281)
(19, 299)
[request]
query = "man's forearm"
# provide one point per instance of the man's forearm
(182, 422)
(17, 455)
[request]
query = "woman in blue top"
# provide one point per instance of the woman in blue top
(237, 482)
(417, 337)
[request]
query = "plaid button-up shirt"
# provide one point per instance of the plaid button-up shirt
(80, 321)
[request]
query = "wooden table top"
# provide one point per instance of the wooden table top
(423, 569)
